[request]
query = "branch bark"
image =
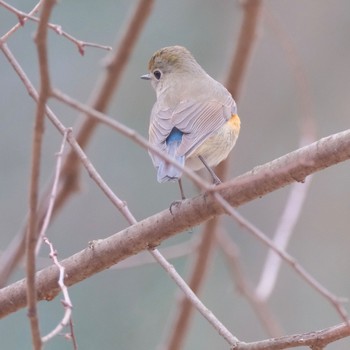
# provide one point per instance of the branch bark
(150, 232)
(317, 340)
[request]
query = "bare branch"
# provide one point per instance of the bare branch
(32, 236)
(144, 258)
(57, 28)
(102, 254)
(53, 194)
(21, 20)
(66, 302)
(317, 340)
(15, 251)
(195, 301)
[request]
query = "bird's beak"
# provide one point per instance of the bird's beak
(146, 76)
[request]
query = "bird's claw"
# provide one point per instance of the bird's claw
(176, 204)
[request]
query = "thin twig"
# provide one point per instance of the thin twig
(72, 335)
(20, 23)
(195, 301)
(53, 254)
(22, 17)
(31, 240)
(170, 253)
(53, 194)
(66, 302)
(79, 43)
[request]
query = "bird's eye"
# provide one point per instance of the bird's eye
(157, 74)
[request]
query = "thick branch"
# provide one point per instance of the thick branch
(316, 340)
(102, 254)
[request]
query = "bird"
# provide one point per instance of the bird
(194, 119)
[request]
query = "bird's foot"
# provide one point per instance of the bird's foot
(174, 204)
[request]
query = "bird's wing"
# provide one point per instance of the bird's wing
(197, 120)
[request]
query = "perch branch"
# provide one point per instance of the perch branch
(150, 232)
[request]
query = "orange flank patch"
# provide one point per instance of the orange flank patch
(235, 122)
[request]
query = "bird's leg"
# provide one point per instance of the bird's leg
(178, 202)
(215, 178)
(181, 189)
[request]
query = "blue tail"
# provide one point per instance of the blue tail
(166, 171)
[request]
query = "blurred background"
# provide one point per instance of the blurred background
(130, 308)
